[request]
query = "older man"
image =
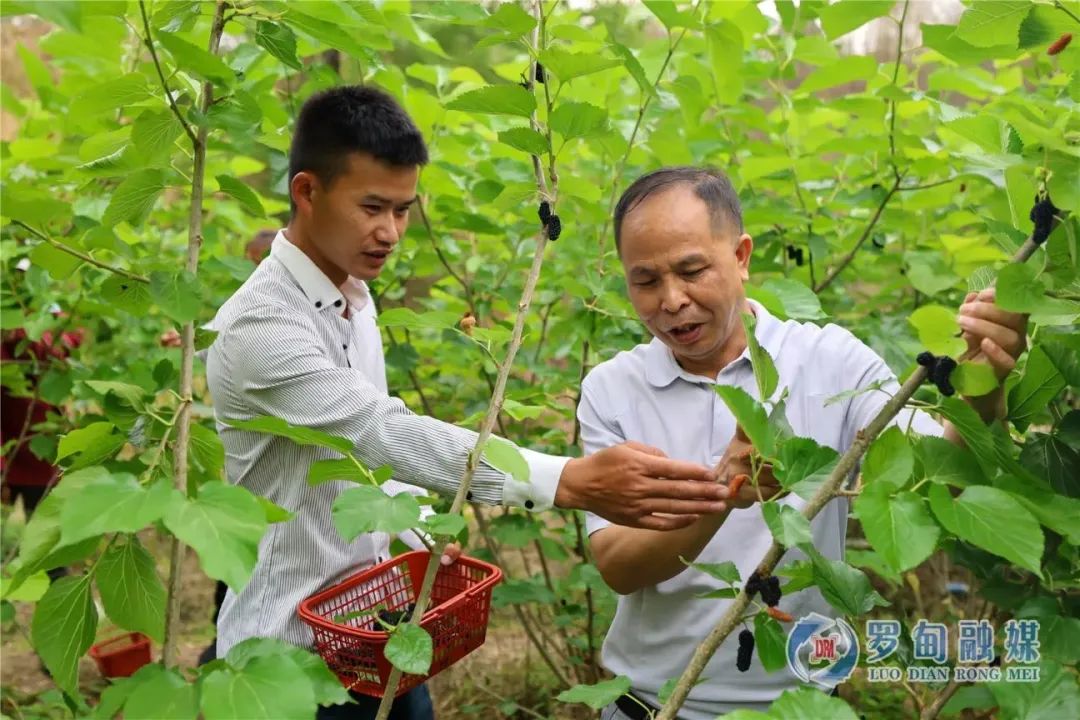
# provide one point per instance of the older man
(686, 257)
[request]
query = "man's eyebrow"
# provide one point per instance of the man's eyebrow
(373, 198)
(695, 259)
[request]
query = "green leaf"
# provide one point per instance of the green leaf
(1040, 383)
(804, 465)
(1051, 457)
(668, 13)
(93, 443)
(798, 301)
(973, 379)
(845, 70)
(596, 696)
(1064, 353)
(132, 394)
(179, 295)
(408, 318)
(943, 39)
(770, 641)
(1051, 509)
(989, 518)
(993, 22)
(59, 263)
(847, 589)
(299, 435)
(842, 17)
(125, 294)
(496, 100)
(134, 198)
(410, 649)
(154, 131)
(131, 591)
(567, 66)
(207, 450)
(110, 96)
(30, 590)
(577, 119)
(270, 687)
(1054, 696)
(326, 686)
(764, 370)
(974, 431)
(633, 66)
(943, 462)
(274, 512)
(807, 703)
(938, 330)
(726, 50)
(157, 693)
(1018, 289)
(505, 456)
(725, 572)
(889, 461)
(751, 417)
(512, 18)
(787, 525)
(525, 139)
(63, 628)
(336, 469)
(451, 525)
(366, 509)
(119, 505)
(244, 194)
(224, 525)
(899, 528)
(278, 40)
(193, 59)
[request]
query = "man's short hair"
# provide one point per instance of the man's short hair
(349, 119)
(708, 183)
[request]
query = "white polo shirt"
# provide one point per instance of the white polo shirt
(645, 396)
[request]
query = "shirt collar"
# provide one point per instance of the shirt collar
(662, 369)
(318, 288)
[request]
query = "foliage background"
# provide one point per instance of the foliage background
(898, 175)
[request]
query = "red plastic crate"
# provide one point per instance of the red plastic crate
(122, 655)
(456, 620)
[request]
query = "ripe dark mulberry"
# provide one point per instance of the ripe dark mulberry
(753, 584)
(770, 591)
(1042, 215)
(798, 257)
(554, 228)
(544, 212)
(539, 73)
(746, 650)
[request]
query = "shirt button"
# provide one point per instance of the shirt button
(337, 303)
(529, 504)
(345, 346)
(318, 303)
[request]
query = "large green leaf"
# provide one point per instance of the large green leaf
(725, 572)
(299, 435)
(1054, 459)
(524, 139)
(751, 417)
(993, 22)
(889, 461)
(224, 525)
(577, 119)
(410, 649)
(899, 527)
(179, 294)
(126, 294)
(845, 70)
(938, 330)
(568, 65)
(807, 703)
(770, 643)
(366, 509)
(804, 465)
(336, 469)
(496, 100)
(943, 462)
(788, 526)
(63, 628)
(764, 370)
(110, 96)
(1040, 383)
(326, 686)
(599, 695)
(131, 591)
(119, 504)
(92, 444)
(134, 198)
(247, 197)
(991, 519)
(193, 59)
(270, 687)
(158, 693)
(278, 40)
(797, 301)
(1052, 510)
(505, 456)
(842, 17)
(154, 131)
(1055, 695)
(847, 589)
(974, 432)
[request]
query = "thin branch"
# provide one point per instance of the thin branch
(82, 256)
(892, 103)
(165, 85)
(517, 705)
(187, 356)
(847, 463)
(846, 260)
(1062, 8)
(925, 186)
(442, 258)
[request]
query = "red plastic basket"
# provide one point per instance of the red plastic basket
(457, 619)
(122, 655)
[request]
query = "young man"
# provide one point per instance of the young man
(686, 258)
(299, 341)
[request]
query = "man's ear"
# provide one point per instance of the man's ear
(302, 189)
(744, 246)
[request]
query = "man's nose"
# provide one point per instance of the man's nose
(673, 298)
(387, 231)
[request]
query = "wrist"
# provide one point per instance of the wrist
(566, 492)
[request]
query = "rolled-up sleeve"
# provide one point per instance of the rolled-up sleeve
(277, 366)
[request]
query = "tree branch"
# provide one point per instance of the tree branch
(165, 85)
(846, 260)
(82, 256)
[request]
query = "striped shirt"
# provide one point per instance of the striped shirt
(285, 349)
